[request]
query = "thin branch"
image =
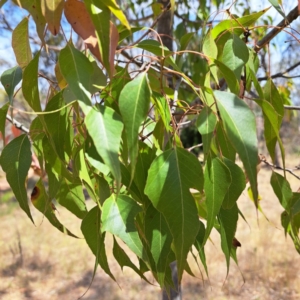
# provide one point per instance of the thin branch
(17, 124)
(291, 171)
(293, 15)
(193, 147)
(291, 107)
(281, 74)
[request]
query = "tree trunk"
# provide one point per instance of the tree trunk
(165, 30)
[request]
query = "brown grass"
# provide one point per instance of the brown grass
(41, 263)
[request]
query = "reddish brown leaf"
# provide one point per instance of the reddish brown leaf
(82, 24)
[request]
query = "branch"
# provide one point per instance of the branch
(18, 125)
(281, 74)
(291, 107)
(291, 171)
(293, 15)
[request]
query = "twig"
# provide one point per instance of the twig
(293, 15)
(291, 171)
(291, 107)
(18, 125)
(281, 74)
(174, 104)
(193, 147)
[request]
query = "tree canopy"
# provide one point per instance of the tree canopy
(109, 87)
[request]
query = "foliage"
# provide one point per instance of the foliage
(112, 127)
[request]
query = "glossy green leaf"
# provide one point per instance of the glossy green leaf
(41, 202)
(30, 84)
(159, 238)
(206, 124)
(170, 177)
(217, 181)
(237, 186)
(91, 231)
(228, 221)
(3, 113)
(123, 259)
(235, 55)
(77, 70)
(134, 104)
(118, 218)
(162, 106)
(209, 46)
(185, 39)
(35, 10)
(20, 43)
(282, 190)
(10, 79)
(52, 11)
(240, 127)
(106, 124)
(15, 161)
(235, 25)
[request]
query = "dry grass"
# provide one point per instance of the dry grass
(41, 263)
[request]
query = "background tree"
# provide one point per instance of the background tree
(110, 124)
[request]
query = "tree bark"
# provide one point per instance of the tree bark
(165, 30)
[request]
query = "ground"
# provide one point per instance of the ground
(38, 262)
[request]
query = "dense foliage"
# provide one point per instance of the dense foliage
(110, 124)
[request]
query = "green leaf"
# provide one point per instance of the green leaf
(170, 177)
(209, 46)
(115, 9)
(35, 10)
(118, 218)
(134, 104)
(41, 202)
(185, 39)
(90, 228)
(52, 11)
(30, 84)
(100, 15)
(106, 124)
(77, 70)
(3, 113)
(237, 186)
(235, 55)
(206, 124)
(235, 25)
(199, 245)
(124, 261)
(276, 5)
(282, 190)
(222, 143)
(229, 76)
(240, 127)
(98, 79)
(217, 181)
(70, 195)
(10, 79)
(228, 220)
(20, 43)
(159, 238)
(56, 124)
(15, 161)
(156, 48)
(273, 120)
